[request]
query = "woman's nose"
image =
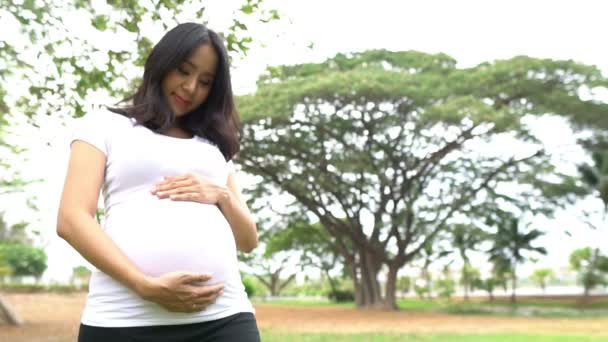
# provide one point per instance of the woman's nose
(189, 84)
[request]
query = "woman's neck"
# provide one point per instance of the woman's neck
(177, 132)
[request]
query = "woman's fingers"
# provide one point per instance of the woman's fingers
(175, 191)
(210, 292)
(171, 185)
(197, 277)
(191, 196)
(208, 297)
(199, 297)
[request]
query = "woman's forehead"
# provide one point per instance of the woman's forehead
(203, 58)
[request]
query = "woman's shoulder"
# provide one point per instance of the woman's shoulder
(114, 117)
(205, 140)
(105, 118)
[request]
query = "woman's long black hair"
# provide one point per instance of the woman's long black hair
(216, 119)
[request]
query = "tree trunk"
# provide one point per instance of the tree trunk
(10, 316)
(465, 280)
(427, 279)
(274, 285)
(366, 284)
(286, 282)
(332, 282)
(356, 285)
(351, 267)
(514, 286)
(390, 300)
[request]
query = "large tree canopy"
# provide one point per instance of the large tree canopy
(387, 149)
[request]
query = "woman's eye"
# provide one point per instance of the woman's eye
(182, 71)
(205, 82)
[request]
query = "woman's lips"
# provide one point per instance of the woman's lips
(181, 101)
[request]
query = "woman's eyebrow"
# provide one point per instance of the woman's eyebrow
(207, 73)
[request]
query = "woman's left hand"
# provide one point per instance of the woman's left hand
(191, 187)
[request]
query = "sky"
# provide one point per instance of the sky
(470, 31)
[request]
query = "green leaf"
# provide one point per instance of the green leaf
(100, 22)
(247, 9)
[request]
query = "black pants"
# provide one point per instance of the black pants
(241, 327)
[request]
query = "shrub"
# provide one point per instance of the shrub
(341, 296)
(446, 288)
(35, 288)
(23, 260)
(250, 287)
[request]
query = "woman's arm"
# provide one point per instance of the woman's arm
(77, 225)
(235, 209)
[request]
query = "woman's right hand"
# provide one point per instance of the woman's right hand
(181, 291)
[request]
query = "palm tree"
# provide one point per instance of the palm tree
(509, 243)
(596, 175)
(466, 238)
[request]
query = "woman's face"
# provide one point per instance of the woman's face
(188, 86)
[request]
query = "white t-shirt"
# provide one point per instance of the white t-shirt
(158, 235)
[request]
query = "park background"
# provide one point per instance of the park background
(49, 79)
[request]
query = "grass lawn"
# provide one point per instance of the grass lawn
(304, 302)
(527, 307)
(269, 336)
(55, 317)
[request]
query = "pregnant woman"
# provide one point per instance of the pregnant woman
(166, 256)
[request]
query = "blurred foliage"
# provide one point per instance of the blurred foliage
(16, 233)
(36, 288)
(592, 267)
(251, 287)
(24, 260)
(542, 276)
(595, 175)
(404, 284)
(63, 62)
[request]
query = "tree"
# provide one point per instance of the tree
(430, 254)
(16, 233)
(314, 245)
(81, 274)
(501, 271)
(543, 275)
(24, 260)
(596, 175)
(272, 274)
(511, 243)
(404, 284)
(381, 147)
(270, 266)
(591, 267)
(488, 285)
(446, 286)
(469, 275)
(466, 238)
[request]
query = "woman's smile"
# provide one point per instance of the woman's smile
(181, 102)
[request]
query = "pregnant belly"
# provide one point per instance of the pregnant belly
(162, 236)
